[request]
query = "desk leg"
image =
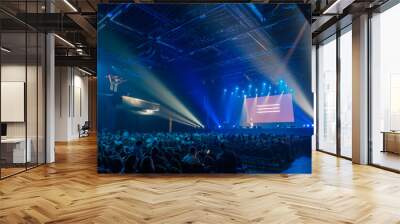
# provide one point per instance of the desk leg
(384, 142)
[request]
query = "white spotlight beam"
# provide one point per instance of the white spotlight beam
(166, 113)
(161, 92)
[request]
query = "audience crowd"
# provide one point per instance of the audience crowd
(124, 152)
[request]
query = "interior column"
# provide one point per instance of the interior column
(360, 90)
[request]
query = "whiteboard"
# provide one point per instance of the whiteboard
(12, 101)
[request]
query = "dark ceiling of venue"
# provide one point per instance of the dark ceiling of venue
(213, 38)
(75, 21)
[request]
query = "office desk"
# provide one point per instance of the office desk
(391, 141)
(13, 150)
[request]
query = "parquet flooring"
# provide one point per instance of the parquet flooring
(71, 191)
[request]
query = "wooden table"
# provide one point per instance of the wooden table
(13, 150)
(391, 141)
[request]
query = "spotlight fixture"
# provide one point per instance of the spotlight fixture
(5, 50)
(147, 112)
(70, 5)
(64, 40)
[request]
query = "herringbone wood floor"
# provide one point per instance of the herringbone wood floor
(70, 191)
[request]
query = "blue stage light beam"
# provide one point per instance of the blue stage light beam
(243, 113)
(263, 40)
(210, 112)
(257, 12)
(228, 110)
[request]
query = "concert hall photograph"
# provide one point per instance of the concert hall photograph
(201, 111)
(204, 88)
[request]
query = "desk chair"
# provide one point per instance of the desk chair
(84, 130)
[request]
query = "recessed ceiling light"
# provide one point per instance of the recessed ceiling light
(70, 5)
(64, 40)
(84, 71)
(5, 50)
(337, 7)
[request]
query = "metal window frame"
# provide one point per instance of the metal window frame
(338, 152)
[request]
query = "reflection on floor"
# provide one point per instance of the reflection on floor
(386, 159)
(346, 152)
(8, 170)
(71, 191)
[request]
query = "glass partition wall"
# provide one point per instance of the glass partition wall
(334, 93)
(22, 88)
(385, 89)
(327, 95)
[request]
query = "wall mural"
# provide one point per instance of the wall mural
(204, 88)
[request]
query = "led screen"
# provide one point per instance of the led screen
(204, 88)
(269, 109)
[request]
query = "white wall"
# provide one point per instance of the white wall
(71, 102)
(50, 93)
(16, 73)
(12, 73)
(314, 91)
(61, 103)
(33, 127)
